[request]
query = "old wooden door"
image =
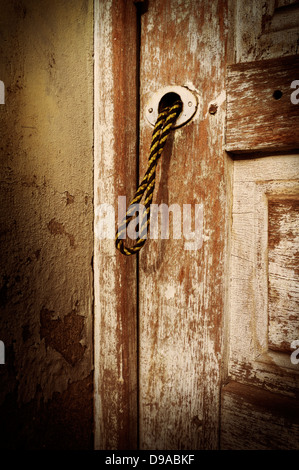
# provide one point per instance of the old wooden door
(189, 346)
(259, 408)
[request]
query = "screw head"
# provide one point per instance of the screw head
(213, 108)
(150, 110)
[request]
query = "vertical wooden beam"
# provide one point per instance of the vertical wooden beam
(182, 292)
(115, 175)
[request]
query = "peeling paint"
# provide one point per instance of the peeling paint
(63, 335)
(57, 228)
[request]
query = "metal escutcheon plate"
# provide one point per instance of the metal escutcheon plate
(188, 98)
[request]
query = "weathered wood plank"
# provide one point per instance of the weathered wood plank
(182, 292)
(260, 113)
(254, 419)
(115, 275)
(264, 30)
(283, 242)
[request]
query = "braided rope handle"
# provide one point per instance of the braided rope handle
(164, 123)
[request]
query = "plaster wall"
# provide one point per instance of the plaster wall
(46, 223)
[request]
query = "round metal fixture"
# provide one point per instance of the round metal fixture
(166, 97)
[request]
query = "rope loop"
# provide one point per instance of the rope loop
(166, 119)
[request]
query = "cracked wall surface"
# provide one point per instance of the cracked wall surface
(46, 224)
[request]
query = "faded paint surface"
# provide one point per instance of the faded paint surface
(46, 215)
(255, 419)
(264, 30)
(181, 298)
(251, 91)
(178, 300)
(283, 272)
(182, 293)
(257, 124)
(115, 275)
(256, 183)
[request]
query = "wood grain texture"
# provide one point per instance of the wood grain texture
(254, 419)
(115, 275)
(264, 30)
(283, 243)
(256, 181)
(256, 121)
(182, 292)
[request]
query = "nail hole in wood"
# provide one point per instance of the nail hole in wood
(213, 108)
(277, 94)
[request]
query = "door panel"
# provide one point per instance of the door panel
(174, 325)
(256, 275)
(261, 114)
(264, 30)
(283, 262)
(182, 292)
(255, 419)
(259, 407)
(263, 307)
(115, 286)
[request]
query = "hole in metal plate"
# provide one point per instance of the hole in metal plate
(167, 96)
